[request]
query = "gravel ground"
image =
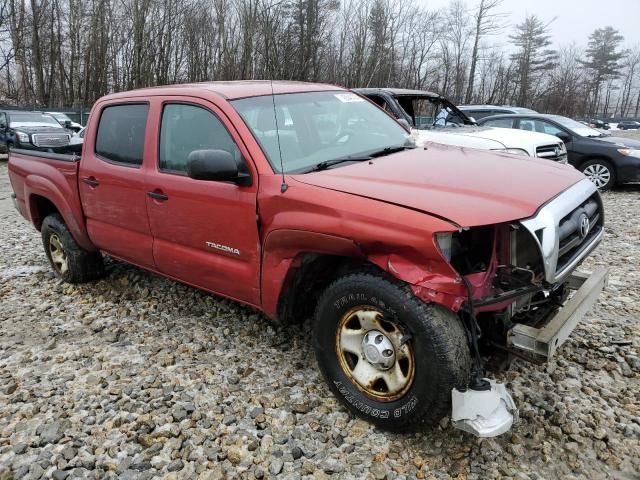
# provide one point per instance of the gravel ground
(136, 376)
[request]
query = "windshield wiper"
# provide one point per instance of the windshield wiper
(357, 158)
(330, 163)
(390, 150)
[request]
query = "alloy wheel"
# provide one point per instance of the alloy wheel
(599, 174)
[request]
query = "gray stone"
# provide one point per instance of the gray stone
(275, 467)
(54, 431)
(175, 466)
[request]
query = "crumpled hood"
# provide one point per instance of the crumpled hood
(465, 186)
(487, 137)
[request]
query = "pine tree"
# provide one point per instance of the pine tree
(603, 59)
(533, 55)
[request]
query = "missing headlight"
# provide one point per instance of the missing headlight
(468, 251)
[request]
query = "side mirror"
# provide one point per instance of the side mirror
(215, 165)
(564, 136)
(67, 124)
(473, 120)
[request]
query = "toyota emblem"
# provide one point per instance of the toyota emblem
(584, 225)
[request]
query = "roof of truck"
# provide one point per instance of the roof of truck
(233, 90)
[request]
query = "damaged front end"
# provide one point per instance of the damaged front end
(522, 284)
(523, 295)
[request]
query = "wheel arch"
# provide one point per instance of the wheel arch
(296, 265)
(43, 197)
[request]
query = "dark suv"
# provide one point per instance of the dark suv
(32, 131)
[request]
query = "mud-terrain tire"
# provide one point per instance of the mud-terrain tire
(69, 261)
(430, 359)
(600, 172)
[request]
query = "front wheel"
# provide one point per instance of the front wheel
(600, 172)
(390, 358)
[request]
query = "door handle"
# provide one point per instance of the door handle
(91, 181)
(158, 195)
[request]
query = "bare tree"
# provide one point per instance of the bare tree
(487, 22)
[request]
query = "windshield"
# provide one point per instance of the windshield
(315, 127)
(576, 127)
(431, 112)
(61, 117)
(29, 119)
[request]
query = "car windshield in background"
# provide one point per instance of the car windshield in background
(329, 128)
(29, 119)
(576, 127)
(61, 117)
(430, 112)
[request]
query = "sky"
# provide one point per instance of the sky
(576, 19)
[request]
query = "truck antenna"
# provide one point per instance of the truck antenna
(284, 186)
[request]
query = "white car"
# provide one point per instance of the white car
(436, 119)
(533, 144)
(62, 118)
(78, 137)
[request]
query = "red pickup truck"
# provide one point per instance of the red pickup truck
(307, 200)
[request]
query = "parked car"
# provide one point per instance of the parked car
(628, 125)
(64, 120)
(599, 124)
(605, 160)
(481, 111)
(314, 202)
(436, 119)
(78, 137)
(32, 131)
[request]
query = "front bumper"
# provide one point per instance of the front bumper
(540, 344)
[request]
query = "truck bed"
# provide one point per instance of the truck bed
(40, 179)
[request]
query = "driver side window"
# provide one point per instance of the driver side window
(550, 129)
(186, 128)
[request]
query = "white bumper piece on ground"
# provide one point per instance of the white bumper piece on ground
(486, 413)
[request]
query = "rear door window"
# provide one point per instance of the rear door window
(120, 137)
(527, 124)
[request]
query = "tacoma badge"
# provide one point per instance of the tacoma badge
(224, 248)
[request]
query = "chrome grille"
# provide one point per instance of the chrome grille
(556, 229)
(50, 139)
(556, 152)
(577, 229)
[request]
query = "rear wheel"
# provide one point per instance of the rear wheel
(600, 172)
(69, 261)
(390, 358)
